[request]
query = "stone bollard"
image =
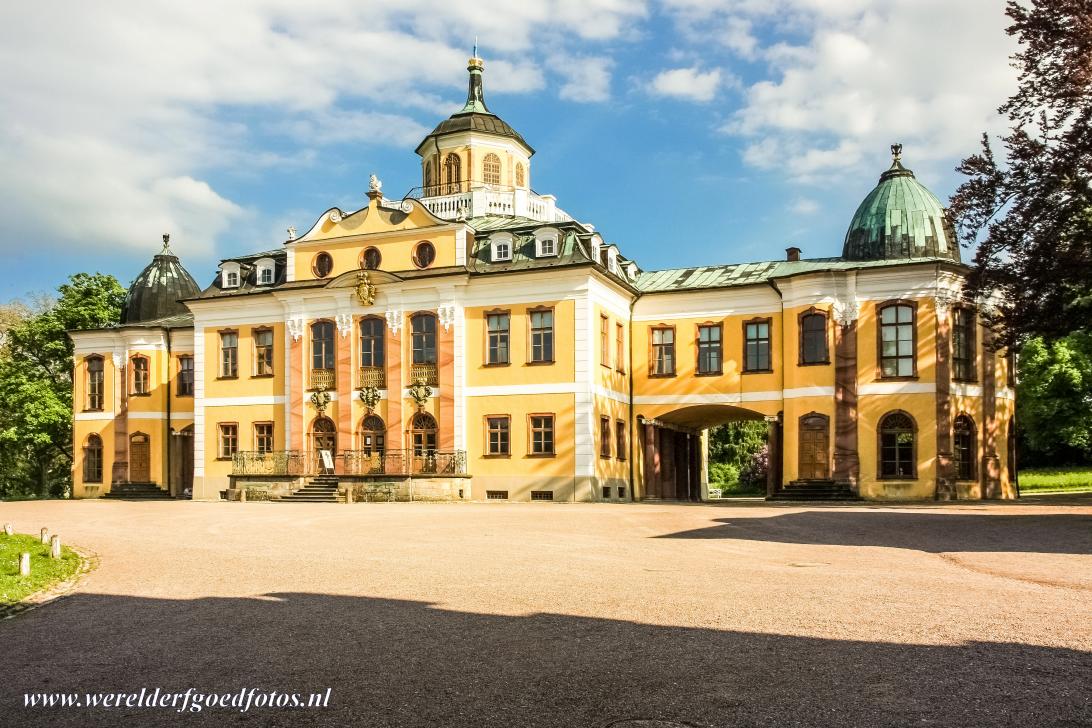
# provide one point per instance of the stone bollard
(45, 535)
(8, 530)
(242, 495)
(349, 494)
(24, 564)
(55, 547)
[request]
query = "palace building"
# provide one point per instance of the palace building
(471, 340)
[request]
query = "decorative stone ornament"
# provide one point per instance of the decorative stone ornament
(944, 302)
(370, 397)
(365, 290)
(321, 399)
(846, 312)
(374, 185)
(291, 233)
(446, 314)
(406, 206)
(344, 323)
(335, 215)
(420, 392)
(295, 328)
(394, 320)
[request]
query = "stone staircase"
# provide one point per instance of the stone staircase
(137, 491)
(815, 490)
(320, 489)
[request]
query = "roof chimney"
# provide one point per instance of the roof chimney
(792, 254)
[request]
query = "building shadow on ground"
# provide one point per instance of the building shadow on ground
(409, 664)
(932, 532)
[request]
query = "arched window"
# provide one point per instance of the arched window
(323, 354)
(452, 173)
(897, 446)
(423, 327)
(813, 338)
(428, 176)
(323, 437)
(424, 254)
(373, 435)
(897, 340)
(141, 376)
(423, 430)
(322, 265)
(95, 383)
(371, 341)
(92, 460)
(963, 447)
(491, 172)
(519, 174)
(370, 259)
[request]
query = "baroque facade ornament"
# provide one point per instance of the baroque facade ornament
(321, 399)
(374, 185)
(446, 314)
(370, 397)
(294, 327)
(365, 289)
(847, 312)
(394, 320)
(420, 392)
(344, 323)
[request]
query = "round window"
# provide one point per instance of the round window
(370, 259)
(323, 265)
(424, 254)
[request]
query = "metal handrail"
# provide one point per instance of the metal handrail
(372, 377)
(351, 462)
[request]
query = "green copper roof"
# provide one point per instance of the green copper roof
(900, 218)
(156, 292)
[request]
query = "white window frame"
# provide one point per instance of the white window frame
(263, 265)
(596, 244)
(227, 271)
(501, 248)
(612, 259)
(544, 236)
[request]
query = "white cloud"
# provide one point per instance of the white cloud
(116, 114)
(586, 79)
(928, 73)
(691, 84)
(804, 206)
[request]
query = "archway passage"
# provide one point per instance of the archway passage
(672, 452)
(181, 461)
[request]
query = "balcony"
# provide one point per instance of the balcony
(322, 379)
(448, 202)
(372, 377)
(351, 462)
(426, 372)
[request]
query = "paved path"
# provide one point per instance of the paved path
(569, 615)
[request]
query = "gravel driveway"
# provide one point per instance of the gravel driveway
(568, 615)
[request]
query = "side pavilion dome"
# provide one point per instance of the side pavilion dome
(900, 219)
(156, 292)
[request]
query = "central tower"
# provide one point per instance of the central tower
(474, 148)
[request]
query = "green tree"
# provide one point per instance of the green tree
(1054, 401)
(734, 443)
(36, 383)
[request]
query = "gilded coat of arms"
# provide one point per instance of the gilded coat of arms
(365, 289)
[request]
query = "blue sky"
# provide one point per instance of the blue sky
(688, 131)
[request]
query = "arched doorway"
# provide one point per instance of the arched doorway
(814, 456)
(182, 461)
(323, 440)
(140, 457)
(423, 442)
(373, 435)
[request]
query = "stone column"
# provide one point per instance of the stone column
(346, 383)
(990, 472)
(651, 461)
(773, 444)
(297, 385)
(945, 477)
(396, 437)
(119, 472)
(847, 464)
(445, 365)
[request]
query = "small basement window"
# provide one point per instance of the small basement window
(621, 492)
(496, 495)
(542, 495)
(606, 492)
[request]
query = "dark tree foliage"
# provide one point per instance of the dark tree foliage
(1031, 214)
(1054, 401)
(735, 442)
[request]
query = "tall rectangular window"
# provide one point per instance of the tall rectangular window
(604, 437)
(709, 349)
(263, 437)
(423, 327)
(498, 435)
(185, 376)
(963, 344)
(620, 440)
(663, 351)
(542, 434)
(756, 346)
(323, 345)
(813, 338)
(95, 383)
(371, 342)
(229, 440)
(897, 340)
(497, 325)
(542, 335)
(263, 353)
(229, 354)
(141, 375)
(620, 347)
(604, 341)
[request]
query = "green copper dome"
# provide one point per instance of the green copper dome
(156, 292)
(900, 219)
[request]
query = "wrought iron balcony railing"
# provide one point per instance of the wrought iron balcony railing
(427, 372)
(372, 377)
(323, 379)
(351, 462)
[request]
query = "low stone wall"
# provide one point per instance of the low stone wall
(407, 489)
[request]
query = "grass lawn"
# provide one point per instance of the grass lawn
(737, 490)
(1077, 478)
(44, 571)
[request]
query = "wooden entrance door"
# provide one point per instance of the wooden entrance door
(140, 455)
(814, 447)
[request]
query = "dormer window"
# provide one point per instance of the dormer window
(612, 260)
(546, 243)
(501, 248)
(596, 243)
(266, 269)
(229, 275)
